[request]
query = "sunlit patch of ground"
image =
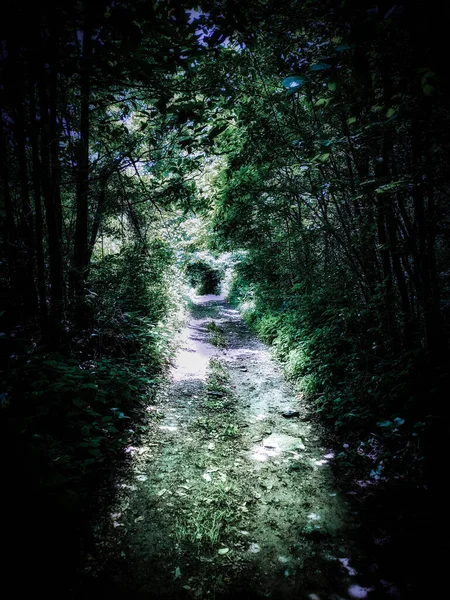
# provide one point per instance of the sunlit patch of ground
(227, 498)
(195, 351)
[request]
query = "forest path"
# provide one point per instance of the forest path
(227, 498)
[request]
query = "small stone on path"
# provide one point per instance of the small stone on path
(289, 413)
(282, 442)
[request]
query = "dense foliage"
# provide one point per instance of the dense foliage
(334, 183)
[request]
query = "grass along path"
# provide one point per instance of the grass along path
(227, 498)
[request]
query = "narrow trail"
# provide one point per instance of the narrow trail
(226, 496)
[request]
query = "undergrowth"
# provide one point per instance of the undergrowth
(67, 413)
(370, 399)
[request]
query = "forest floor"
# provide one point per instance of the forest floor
(225, 496)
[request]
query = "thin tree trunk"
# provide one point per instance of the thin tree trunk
(98, 215)
(431, 221)
(81, 254)
(52, 202)
(10, 230)
(36, 168)
(54, 159)
(426, 292)
(28, 287)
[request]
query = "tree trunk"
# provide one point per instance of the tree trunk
(10, 230)
(27, 258)
(426, 291)
(36, 168)
(81, 254)
(98, 214)
(52, 202)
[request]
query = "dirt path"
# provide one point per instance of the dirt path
(227, 497)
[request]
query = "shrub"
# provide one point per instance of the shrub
(67, 412)
(297, 363)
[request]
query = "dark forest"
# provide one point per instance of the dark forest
(225, 299)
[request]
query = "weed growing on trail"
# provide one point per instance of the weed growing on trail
(215, 404)
(230, 430)
(207, 424)
(216, 335)
(218, 400)
(213, 518)
(215, 426)
(218, 382)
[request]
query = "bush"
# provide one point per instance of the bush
(268, 327)
(134, 280)
(297, 363)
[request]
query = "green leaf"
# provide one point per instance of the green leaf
(332, 86)
(91, 386)
(320, 67)
(419, 425)
(399, 421)
(78, 402)
(322, 102)
(389, 187)
(426, 82)
(385, 424)
(390, 112)
(324, 157)
(351, 120)
(293, 83)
